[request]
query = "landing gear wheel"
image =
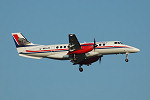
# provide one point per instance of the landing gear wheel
(127, 57)
(126, 60)
(80, 69)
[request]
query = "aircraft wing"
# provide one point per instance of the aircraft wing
(77, 58)
(73, 43)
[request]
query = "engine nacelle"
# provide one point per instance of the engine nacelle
(90, 60)
(91, 54)
(84, 49)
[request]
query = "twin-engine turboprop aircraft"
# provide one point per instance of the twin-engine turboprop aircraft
(77, 53)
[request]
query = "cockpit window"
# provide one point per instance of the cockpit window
(115, 42)
(118, 43)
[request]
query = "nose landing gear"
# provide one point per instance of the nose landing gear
(126, 60)
(126, 57)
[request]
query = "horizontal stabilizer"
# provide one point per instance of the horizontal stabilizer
(30, 56)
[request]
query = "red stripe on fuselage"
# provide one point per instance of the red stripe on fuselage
(111, 46)
(87, 48)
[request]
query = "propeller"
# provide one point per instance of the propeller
(94, 44)
(100, 59)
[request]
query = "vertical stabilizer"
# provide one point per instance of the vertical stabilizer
(20, 40)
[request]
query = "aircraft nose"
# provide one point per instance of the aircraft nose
(136, 49)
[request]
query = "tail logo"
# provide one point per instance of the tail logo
(16, 38)
(20, 40)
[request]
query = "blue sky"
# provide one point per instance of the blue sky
(50, 22)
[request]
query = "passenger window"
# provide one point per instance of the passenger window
(57, 47)
(103, 44)
(99, 44)
(64, 46)
(60, 46)
(118, 42)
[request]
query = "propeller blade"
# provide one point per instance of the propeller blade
(94, 44)
(94, 40)
(100, 59)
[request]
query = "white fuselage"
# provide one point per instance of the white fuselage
(60, 51)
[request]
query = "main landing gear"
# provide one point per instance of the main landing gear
(80, 68)
(126, 57)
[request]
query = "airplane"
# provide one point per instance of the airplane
(77, 53)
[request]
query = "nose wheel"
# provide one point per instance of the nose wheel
(126, 60)
(126, 57)
(80, 68)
